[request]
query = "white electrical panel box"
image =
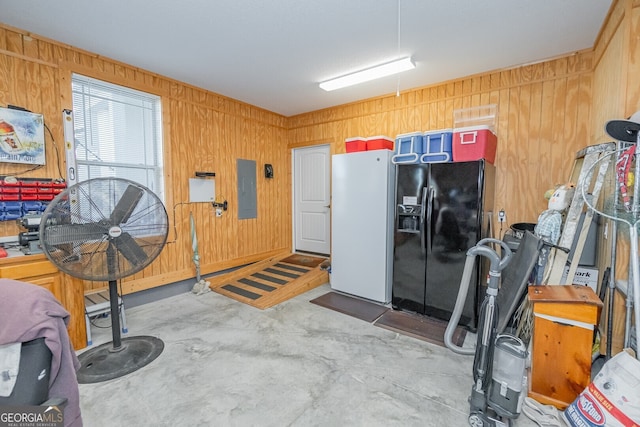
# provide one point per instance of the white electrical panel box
(202, 190)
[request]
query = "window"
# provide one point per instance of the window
(118, 133)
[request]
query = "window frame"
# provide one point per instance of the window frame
(156, 172)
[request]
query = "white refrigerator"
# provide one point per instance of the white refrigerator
(362, 217)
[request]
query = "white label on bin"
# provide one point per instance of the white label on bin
(464, 140)
(409, 200)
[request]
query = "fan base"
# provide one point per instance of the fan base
(105, 362)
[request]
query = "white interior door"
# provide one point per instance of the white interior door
(311, 200)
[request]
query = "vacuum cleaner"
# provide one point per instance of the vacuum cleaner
(499, 365)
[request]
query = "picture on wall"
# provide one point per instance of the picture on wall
(21, 137)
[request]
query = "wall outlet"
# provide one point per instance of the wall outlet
(218, 212)
(502, 216)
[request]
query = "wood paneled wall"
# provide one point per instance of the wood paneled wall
(546, 112)
(202, 132)
(543, 120)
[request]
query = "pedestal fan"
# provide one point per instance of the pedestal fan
(105, 229)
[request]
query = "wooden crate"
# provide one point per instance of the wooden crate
(563, 327)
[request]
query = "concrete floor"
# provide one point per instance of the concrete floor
(296, 364)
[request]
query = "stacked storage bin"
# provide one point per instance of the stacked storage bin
(18, 198)
(33, 207)
(437, 146)
(10, 204)
(409, 148)
(10, 211)
(358, 143)
(474, 136)
(424, 147)
(379, 143)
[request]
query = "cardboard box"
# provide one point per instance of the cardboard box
(585, 276)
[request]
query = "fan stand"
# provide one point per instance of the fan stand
(121, 356)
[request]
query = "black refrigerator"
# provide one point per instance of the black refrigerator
(442, 210)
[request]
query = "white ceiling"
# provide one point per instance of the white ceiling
(273, 53)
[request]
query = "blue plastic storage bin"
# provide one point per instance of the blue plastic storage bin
(409, 147)
(11, 207)
(437, 146)
(10, 216)
(32, 206)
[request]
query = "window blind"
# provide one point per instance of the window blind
(117, 132)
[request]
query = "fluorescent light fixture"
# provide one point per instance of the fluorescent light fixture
(369, 74)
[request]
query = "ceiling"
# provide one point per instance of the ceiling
(273, 54)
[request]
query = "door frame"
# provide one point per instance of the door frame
(293, 192)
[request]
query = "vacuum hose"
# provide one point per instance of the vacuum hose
(457, 310)
(496, 267)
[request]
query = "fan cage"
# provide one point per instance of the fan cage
(104, 229)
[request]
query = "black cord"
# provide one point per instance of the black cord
(28, 170)
(175, 227)
(55, 146)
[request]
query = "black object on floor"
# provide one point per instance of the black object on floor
(240, 291)
(106, 363)
(419, 326)
(355, 307)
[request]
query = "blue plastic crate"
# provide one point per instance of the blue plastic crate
(10, 216)
(33, 206)
(408, 147)
(437, 146)
(11, 207)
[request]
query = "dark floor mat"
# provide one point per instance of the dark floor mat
(245, 293)
(304, 260)
(360, 309)
(418, 326)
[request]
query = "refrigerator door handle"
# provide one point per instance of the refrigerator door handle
(423, 223)
(427, 223)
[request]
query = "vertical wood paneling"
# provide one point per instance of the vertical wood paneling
(543, 114)
(546, 139)
(202, 131)
(633, 70)
(535, 155)
(547, 112)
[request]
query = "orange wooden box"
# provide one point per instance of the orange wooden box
(563, 328)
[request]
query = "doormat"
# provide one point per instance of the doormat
(355, 307)
(304, 260)
(419, 326)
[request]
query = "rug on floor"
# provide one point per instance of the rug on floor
(406, 323)
(418, 326)
(355, 307)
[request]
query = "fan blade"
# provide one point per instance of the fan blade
(75, 233)
(126, 205)
(130, 249)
